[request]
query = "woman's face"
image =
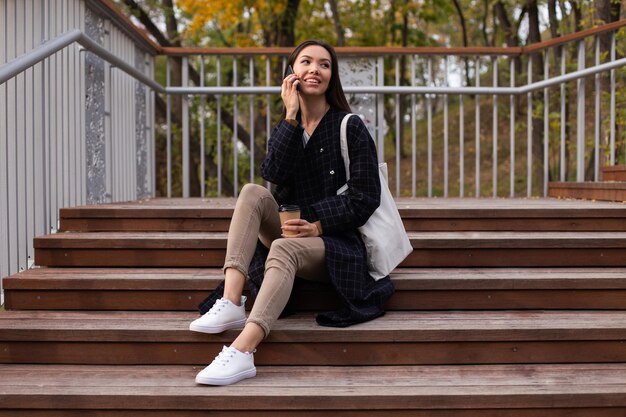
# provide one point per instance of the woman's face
(313, 68)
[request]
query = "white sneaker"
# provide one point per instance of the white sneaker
(224, 315)
(229, 366)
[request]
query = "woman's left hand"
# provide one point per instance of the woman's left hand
(300, 228)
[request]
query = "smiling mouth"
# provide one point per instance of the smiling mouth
(311, 81)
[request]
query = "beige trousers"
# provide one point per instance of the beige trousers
(256, 217)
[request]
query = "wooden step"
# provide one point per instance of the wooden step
(614, 173)
(600, 191)
(431, 249)
(398, 338)
(594, 390)
(454, 214)
(182, 289)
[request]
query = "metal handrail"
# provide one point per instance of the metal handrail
(523, 89)
(29, 59)
(43, 51)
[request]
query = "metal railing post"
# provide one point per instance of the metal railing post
(185, 121)
(580, 117)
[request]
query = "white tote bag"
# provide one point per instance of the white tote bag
(384, 235)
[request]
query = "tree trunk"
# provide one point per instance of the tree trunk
(341, 41)
(459, 10)
(484, 24)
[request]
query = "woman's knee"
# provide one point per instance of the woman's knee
(253, 192)
(281, 255)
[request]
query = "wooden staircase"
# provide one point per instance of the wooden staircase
(611, 188)
(505, 308)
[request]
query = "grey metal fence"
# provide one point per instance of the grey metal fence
(73, 129)
(499, 122)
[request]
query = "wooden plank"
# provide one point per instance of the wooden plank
(123, 240)
(609, 191)
(487, 239)
(130, 257)
(148, 225)
(521, 257)
(313, 353)
(445, 326)
(318, 388)
(614, 173)
(534, 412)
(403, 278)
(317, 301)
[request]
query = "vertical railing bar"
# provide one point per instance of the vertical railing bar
(251, 111)
(185, 108)
(397, 117)
(580, 114)
(529, 130)
(218, 99)
(115, 129)
(546, 125)
(596, 153)
(235, 123)
(71, 119)
(512, 111)
(45, 133)
(63, 136)
(477, 133)
(461, 147)
(108, 125)
(17, 164)
(446, 155)
(29, 155)
(612, 104)
(3, 141)
(494, 157)
(152, 116)
(82, 128)
(168, 99)
(118, 114)
(413, 133)
(202, 144)
(429, 112)
(563, 162)
(380, 113)
(11, 139)
(268, 119)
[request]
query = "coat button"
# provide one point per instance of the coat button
(332, 172)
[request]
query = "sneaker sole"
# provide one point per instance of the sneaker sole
(217, 329)
(250, 373)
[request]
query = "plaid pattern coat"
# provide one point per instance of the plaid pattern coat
(310, 176)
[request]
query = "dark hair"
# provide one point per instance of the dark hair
(334, 93)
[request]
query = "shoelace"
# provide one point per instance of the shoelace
(217, 307)
(224, 357)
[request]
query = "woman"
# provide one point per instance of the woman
(304, 161)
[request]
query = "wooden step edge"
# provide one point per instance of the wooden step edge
(440, 279)
(298, 389)
(396, 327)
(426, 240)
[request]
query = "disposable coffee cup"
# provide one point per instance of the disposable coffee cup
(288, 212)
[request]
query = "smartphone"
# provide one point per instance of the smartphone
(290, 71)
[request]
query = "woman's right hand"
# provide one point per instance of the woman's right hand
(289, 94)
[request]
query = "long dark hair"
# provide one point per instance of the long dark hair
(334, 93)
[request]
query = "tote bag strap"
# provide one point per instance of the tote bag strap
(343, 135)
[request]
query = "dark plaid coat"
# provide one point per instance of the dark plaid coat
(310, 177)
